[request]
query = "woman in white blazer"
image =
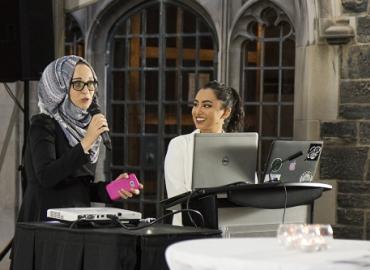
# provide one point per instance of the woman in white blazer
(216, 109)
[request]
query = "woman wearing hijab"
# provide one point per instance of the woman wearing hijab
(63, 143)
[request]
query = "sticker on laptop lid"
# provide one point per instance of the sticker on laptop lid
(306, 177)
(276, 165)
(292, 166)
(313, 152)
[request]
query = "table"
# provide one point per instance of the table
(265, 254)
(262, 196)
(266, 195)
(42, 246)
(272, 195)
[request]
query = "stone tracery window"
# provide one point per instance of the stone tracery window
(159, 53)
(267, 74)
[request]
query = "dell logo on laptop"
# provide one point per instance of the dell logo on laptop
(225, 161)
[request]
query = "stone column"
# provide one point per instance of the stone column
(59, 33)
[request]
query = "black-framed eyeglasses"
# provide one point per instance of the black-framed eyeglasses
(79, 85)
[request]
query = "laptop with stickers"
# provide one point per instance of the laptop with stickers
(292, 161)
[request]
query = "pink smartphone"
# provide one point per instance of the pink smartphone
(122, 183)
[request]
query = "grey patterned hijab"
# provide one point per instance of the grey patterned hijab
(53, 94)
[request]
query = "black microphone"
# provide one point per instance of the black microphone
(94, 109)
(298, 154)
(277, 163)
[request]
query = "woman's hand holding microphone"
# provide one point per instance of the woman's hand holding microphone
(96, 127)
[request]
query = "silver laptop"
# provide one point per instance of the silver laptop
(292, 161)
(91, 214)
(224, 158)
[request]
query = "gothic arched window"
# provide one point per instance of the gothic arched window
(267, 74)
(159, 53)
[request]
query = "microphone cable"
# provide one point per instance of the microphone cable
(152, 221)
(87, 222)
(276, 165)
(203, 191)
(285, 201)
(116, 220)
(188, 206)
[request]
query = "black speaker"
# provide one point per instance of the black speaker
(26, 39)
(9, 41)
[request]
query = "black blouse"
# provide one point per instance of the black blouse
(58, 175)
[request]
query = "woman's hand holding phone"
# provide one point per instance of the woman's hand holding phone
(124, 186)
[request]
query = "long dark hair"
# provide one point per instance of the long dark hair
(230, 99)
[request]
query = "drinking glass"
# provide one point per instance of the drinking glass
(305, 237)
(316, 237)
(289, 235)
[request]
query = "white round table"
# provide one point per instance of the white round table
(265, 254)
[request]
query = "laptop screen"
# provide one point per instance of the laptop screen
(292, 161)
(224, 158)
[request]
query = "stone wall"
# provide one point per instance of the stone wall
(11, 124)
(347, 140)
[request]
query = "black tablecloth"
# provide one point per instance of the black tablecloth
(39, 246)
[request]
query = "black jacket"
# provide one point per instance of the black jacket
(58, 175)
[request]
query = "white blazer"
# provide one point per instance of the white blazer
(178, 167)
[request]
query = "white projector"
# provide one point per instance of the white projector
(92, 214)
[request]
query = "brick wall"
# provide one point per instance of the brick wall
(347, 140)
